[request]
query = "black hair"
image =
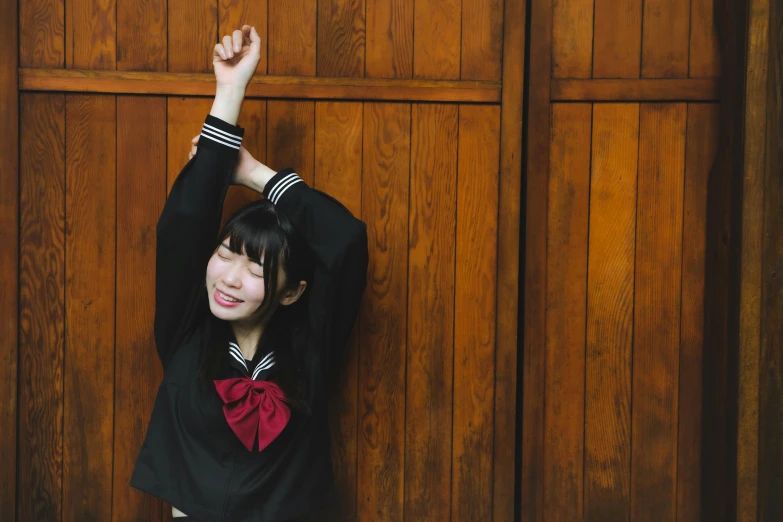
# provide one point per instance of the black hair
(260, 232)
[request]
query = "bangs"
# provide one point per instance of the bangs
(255, 234)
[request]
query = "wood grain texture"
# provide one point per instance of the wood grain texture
(184, 117)
(572, 39)
(90, 230)
(142, 29)
(704, 60)
(291, 137)
(42, 33)
(253, 120)
(617, 39)
(9, 256)
(431, 273)
(535, 263)
(771, 356)
(292, 27)
(475, 300)
(610, 288)
(341, 38)
(338, 172)
(192, 32)
(41, 305)
(665, 39)
(751, 264)
(700, 150)
(508, 343)
(91, 34)
(657, 312)
(569, 196)
(389, 51)
(482, 39)
(233, 14)
(287, 87)
(436, 37)
(383, 324)
(635, 90)
(141, 193)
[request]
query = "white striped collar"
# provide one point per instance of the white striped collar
(239, 361)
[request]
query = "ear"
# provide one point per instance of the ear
(292, 295)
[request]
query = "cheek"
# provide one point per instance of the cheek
(213, 271)
(254, 289)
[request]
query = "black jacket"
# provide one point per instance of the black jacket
(190, 457)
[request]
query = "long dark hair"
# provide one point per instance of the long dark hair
(260, 232)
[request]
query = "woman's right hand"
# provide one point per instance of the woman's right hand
(235, 59)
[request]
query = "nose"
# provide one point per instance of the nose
(231, 276)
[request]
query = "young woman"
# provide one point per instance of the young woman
(249, 322)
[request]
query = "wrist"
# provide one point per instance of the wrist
(259, 177)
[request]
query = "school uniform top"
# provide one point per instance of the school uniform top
(192, 457)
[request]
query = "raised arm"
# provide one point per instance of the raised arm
(188, 226)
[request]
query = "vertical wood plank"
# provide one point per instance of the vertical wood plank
(657, 312)
(569, 193)
(9, 255)
(535, 263)
(617, 33)
(141, 193)
(389, 51)
(572, 39)
(141, 35)
(507, 396)
(292, 27)
(192, 35)
(482, 39)
(431, 241)
(233, 14)
(704, 60)
(88, 410)
(475, 299)
(610, 284)
(701, 146)
(383, 327)
(183, 121)
(253, 120)
(91, 34)
(291, 137)
(42, 33)
(436, 37)
(665, 39)
(41, 305)
(341, 38)
(338, 172)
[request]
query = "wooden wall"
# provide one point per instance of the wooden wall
(622, 133)
(393, 107)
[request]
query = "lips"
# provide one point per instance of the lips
(225, 299)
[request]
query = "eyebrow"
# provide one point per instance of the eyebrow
(259, 262)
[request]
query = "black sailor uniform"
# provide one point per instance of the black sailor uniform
(190, 457)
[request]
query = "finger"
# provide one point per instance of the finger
(255, 40)
(220, 52)
(237, 40)
(228, 46)
(195, 138)
(246, 35)
(193, 150)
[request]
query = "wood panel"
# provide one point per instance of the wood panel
(704, 61)
(474, 335)
(482, 39)
(141, 193)
(184, 117)
(41, 305)
(665, 39)
(572, 39)
(617, 38)
(338, 172)
(569, 182)
(9, 256)
(431, 272)
(383, 317)
(610, 311)
(657, 312)
(636, 90)
(192, 35)
(292, 27)
(389, 51)
(141, 35)
(88, 377)
(42, 29)
(436, 54)
(91, 34)
(341, 38)
(291, 137)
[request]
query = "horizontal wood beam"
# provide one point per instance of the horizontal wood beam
(640, 90)
(187, 84)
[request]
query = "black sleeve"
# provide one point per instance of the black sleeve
(339, 242)
(187, 231)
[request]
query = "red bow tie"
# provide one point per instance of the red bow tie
(253, 407)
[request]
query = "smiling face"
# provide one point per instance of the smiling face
(235, 285)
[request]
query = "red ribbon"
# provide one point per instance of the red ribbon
(254, 408)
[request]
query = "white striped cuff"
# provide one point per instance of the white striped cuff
(222, 137)
(281, 186)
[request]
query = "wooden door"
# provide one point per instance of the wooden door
(395, 108)
(623, 127)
